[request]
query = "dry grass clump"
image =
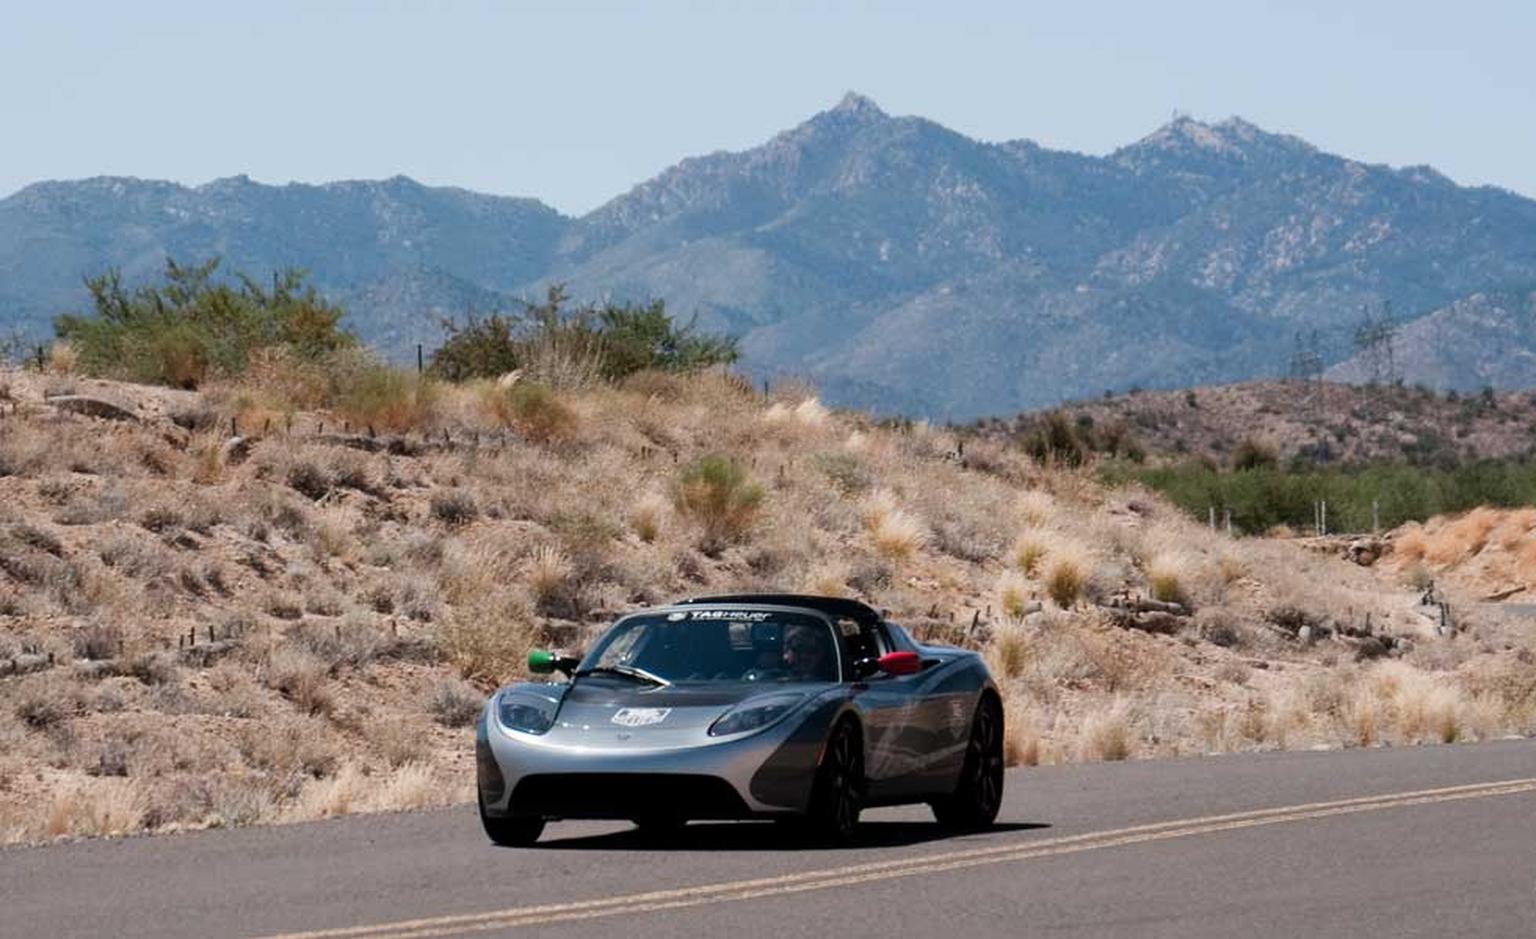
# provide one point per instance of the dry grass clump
(548, 573)
(354, 789)
(1167, 578)
(1008, 653)
(1036, 507)
(716, 493)
(648, 517)
(486, 642)
(898, 534)
(1028, 551)
(99, 808)
(455, 703)
(1066, 575)
(385, 398)
(809, 412)
(62, 358)
(301, 678)
(454, 508)
(1021, 736)
(1013, 594)
(1105, 732)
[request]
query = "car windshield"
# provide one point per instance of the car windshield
(713, 645)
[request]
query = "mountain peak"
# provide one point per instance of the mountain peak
(1232, 140)
(857, 104)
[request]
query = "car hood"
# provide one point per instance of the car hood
(605, 713)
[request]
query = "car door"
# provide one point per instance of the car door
(898, 730)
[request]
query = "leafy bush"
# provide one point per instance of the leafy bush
(1057, 441)
(1269, 496)
(192, 327)
(550, 345)
(385, 398)
(533, 410)
(716, 493)
(1251, 455)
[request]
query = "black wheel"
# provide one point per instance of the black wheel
(979, 793)
(511, 831)
(837, 795)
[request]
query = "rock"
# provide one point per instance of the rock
(235, 450)
(1372, 648)
(94, 407)
(94, 669)
(204, 653)
(24, 664)
(1365, 551)
(1304, 635)
(1136, 604)
(1158, 623)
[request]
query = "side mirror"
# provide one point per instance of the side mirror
(544, 661)
(900, 663)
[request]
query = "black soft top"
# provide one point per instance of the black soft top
(833, 607)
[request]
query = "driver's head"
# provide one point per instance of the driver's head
(805, 651)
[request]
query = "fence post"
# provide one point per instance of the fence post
(1228, 514)
(1213, 517)
(1325, 517)
(1375, 516)
(418, 359)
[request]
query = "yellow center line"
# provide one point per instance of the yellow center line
(884, 870)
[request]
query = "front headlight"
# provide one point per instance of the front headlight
(754, 714)
(526, 711)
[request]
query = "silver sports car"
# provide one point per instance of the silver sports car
(803, 709)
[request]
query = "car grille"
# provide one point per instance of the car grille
(626, 795)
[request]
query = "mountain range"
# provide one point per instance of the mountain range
(899, 265)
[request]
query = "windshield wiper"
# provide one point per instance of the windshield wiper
(628, 671)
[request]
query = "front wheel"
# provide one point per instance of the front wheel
(979, 793)
(510, 831)
(838, 793)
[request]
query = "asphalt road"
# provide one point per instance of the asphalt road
(1426, 841)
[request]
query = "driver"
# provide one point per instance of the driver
(806, 656)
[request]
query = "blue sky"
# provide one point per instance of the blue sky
(576, 102)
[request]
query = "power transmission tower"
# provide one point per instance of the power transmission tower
(1306, 369)
(1376, 344)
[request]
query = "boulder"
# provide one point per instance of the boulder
(94, 407)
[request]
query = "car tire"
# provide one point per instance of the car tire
(979, 792)
(510, 831)
(837, 795)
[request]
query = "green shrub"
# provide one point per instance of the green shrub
(561, 348)
(1268, 496)
(1251, 455)
(383, 397)
(1057, 441)
(191, 327)
(533, 410)
(716, 493)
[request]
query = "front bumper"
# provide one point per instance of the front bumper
(759, 775)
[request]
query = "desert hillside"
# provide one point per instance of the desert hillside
(216, 609)
(1315, 422)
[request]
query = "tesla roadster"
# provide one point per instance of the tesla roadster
(801, 709)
